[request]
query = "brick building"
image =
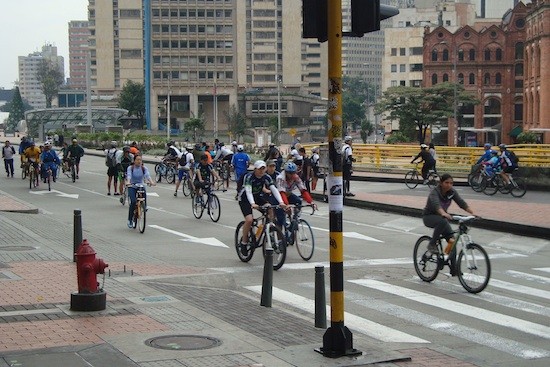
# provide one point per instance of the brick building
(488, 62)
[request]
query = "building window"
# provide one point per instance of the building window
(394, 83)
(402, 51)
(498, 79)
(130, 54)
(402, 83)
(434, 79)
(461, 78)
(498, 54)
(518, 69)
(402, 68)
(445, 55)
(518, 110)
(415, 51)
(460, 55)
(487, 54)
(445, 77)
(394, 51)
(472, 54)
(416, 67)
(130, 13)
(519, 51)
(486, 79)
(472, 79)
(434, 55)
(394, 68)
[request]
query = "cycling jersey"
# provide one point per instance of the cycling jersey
(222, 153)
(253, 186)
(32, 153)
(205, 171)
(286, 185)
(75, 151)
(240, 161)
(49, 156)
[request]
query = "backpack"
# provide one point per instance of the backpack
(513, 158)
(110, 160)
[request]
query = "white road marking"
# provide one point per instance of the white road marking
(362, 325)
(210, 241)
(352, 235)
(542, 269)
(404, 224)
(516, 243)
(529, 277)
(59, 193)
(518, 288)
(460, 308)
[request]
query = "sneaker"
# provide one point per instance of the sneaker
(109, 193)
(176, 193)
(130, 224)
(244, 249)
(116, 194)
(433, 249)
(77, 177)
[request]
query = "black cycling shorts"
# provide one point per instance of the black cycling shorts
(246, 207)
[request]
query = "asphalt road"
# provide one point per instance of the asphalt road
(506, 325)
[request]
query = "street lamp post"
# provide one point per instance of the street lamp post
(168, 108)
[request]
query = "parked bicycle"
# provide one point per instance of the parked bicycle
(265, 234)
(414, 177)
(140, 211)
(471, 266)
(491, 184)
(298, 230)
(166, 169)
(206, 199)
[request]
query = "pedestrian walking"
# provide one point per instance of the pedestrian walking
(112, 168)
(347, 153)
(8, 151)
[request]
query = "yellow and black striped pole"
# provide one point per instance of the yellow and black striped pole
(337, 340)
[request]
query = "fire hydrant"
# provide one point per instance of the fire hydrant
(89, 296)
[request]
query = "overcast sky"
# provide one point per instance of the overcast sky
(26, 25)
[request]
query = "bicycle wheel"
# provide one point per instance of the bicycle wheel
(124, 196)
(474, 268)
(171, 174)
(23, 173)
(490, 187)
(73, 173)
(186, 186)
(426, 264)
(214, 208)
(474, 180)
(433, 180)
(278, 244)
(519, 189)
(158, 172)
(411, 179)
(142, 215)
(198, 206)
(49, 179)
(305, 242)
(238, 239)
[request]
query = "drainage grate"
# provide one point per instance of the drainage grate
(183, 342)
(17, 248)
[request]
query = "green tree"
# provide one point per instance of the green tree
(527, 137)
(357, 93)
(366, 129)
(50, 78)
(17, 111)
(236, 122)
(417, 109)
(195, 125)
(132, 98)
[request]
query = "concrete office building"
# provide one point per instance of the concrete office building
(28, 83)
(78, 52)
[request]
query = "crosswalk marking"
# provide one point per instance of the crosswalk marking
(463, 309)
(360, 324)
(530, 277)
(518, 288)
(543, 269)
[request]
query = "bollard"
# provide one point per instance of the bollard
(77, 232)
(267, 282)
(320, 298)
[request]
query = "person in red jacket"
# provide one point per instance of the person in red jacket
(288, 181)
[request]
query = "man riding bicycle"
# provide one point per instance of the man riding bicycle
(32, 155)
(204, 173)
(49, 160)
(126, 159)
(223, 154)
(186, 166)
(427, 158)
(253, 194)
(507, 165)
(76, 152)
(172, 154)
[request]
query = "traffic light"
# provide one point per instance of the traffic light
(314, 19)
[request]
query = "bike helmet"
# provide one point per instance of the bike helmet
(347, 138)
(113, 144)
(493, 152)
(487, 145)
(423, 146)
(234, 142)
(47, 144)
(290, 167)
(240, 148)
(502, 146)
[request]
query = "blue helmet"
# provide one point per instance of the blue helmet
(487, 146)
(290, 167)
(493, 152)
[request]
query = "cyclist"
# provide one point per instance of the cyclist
(172, 154)
(240, 162)
(32, 155)
(287, 182)
(223, 154)
(75, 151)
(25, 143)
(197, 153)
(492, 165)
(64, 160)
(49, 160)
(428, 160)
(435, 213)
(186, 166)
(124, 159)
(203, 174)
(486, 154)
(136, 173)
(134, 150)
(507, 165)
(253, 194)
(347, 167)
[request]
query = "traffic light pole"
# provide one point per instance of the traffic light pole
(338, 339)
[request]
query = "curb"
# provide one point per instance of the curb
(24, 207)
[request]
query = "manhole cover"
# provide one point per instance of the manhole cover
(17, 248)
(183, 342)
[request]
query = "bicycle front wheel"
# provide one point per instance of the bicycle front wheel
(474, 179)
(171, 174)
(275, 237)
(426, 264)
(474, 268)
(32, 173)
(305, 242)
(245, 255)
(519, 188)
(411, 179)
(433, 180)
(142, 215)
(73, 173)
(49, 179)
(490, 187)
(214, 208)
(158, 172)
(186, 187)
(23, 173)
(198, 206)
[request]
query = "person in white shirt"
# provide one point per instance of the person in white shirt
(347, 156)
(186, 166)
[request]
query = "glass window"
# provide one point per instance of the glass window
(519, 51)
(460, 55)
(487, 54)
(498, 54)
(498, 79)
(472, 79)
(518, 69)
(434, 79)
(402, 51)
(434, 55)
(461, 78)
(394, 68)
(394, 51)
(472, 53)
(402, 68)
(445, 55)
(445, 77)
(487, 79)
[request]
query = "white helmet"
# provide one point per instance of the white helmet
(234, 142)
(348, 138)
(240, 148)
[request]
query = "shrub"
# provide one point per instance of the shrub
(397, 137)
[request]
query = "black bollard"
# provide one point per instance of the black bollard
(320, 298)
(77, 232)
(267, 282)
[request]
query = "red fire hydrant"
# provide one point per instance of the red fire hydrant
(87, 267)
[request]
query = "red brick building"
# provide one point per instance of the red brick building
(536, 112)
(490, 64)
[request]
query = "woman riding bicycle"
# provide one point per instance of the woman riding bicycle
(136, 173)
(435, 213)
(428, 159)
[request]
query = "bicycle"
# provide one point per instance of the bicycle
(265, 234)
(24, 170)
(48, 178)
(187, 184)
(223, 169)
(69, 168)
(491, 184)
(33, 174)
(471, 266)
(475, 177)
(298, 230)
(140, 211)
(166, 169)
(414, 177)
(211, 204)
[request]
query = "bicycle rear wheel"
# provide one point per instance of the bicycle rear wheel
(186, 186)
(490, 186)
(73, 173)
(238, 239)
(426, 264)
(158, 172)
(433, 180)
(474, 180)
(305, 242)
(519, 188)
(23, 173)
(142, 215)
(214, 208)
(278, 245)
(31, 178)
(474, 268)
(198, 206)
(411, 179)
(171, 174)
(49, 179)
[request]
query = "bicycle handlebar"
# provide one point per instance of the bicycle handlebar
(464, 218)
